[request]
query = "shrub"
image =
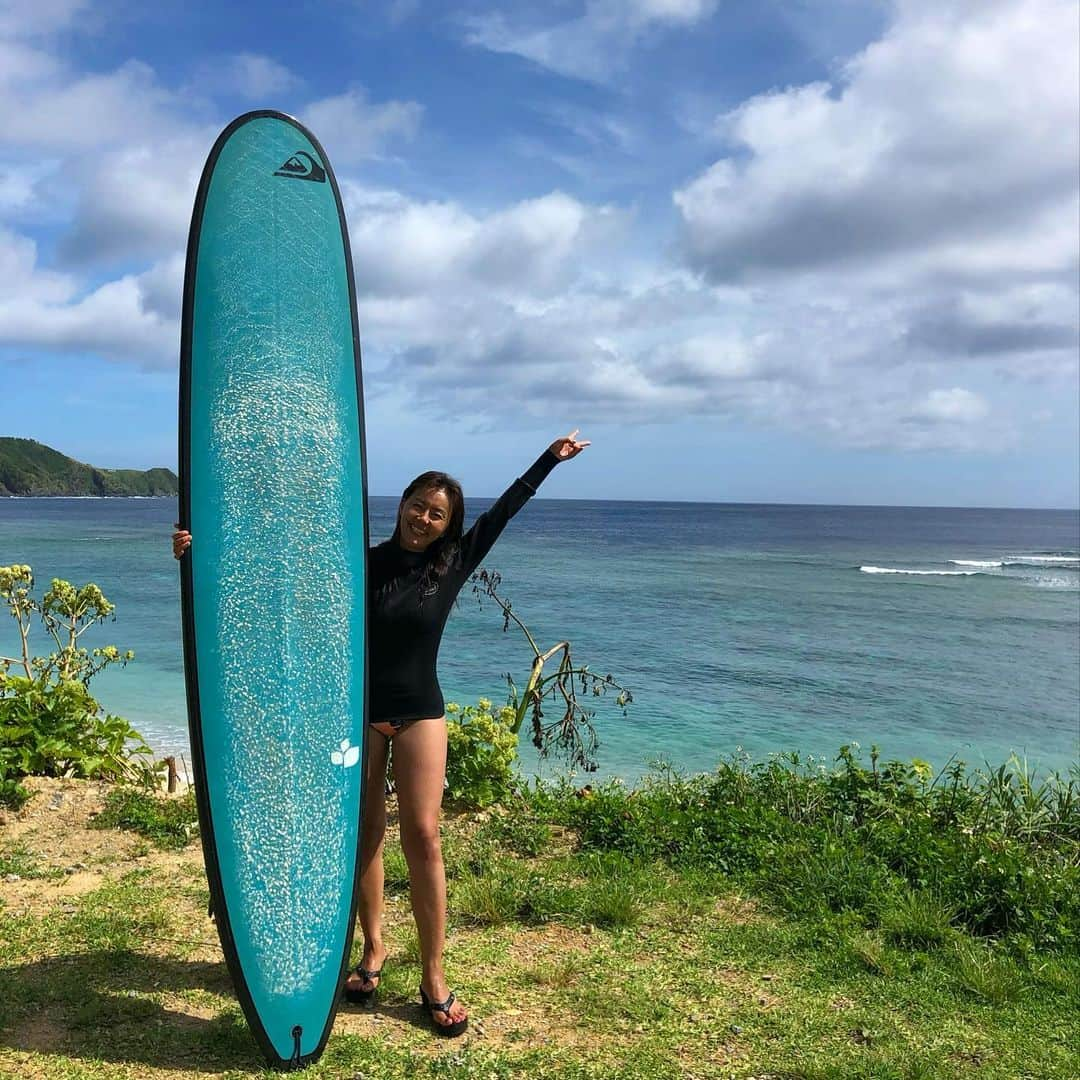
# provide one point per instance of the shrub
(613, 895)
(510, 892)
(986, 975)
(50, 723)
(481, 753)
(12, 794)
(56, 729)
(831, 875)
(991, 853)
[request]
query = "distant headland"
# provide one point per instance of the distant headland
(31, 468)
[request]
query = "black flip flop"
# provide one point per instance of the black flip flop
(447, 1031)
(363, 997)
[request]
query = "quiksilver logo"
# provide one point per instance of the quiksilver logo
(302, 166)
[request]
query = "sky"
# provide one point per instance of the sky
(755, 250)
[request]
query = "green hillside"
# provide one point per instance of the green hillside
(30, 468)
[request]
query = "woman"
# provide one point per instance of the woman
(413, 580)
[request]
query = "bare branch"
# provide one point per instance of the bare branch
(572, 735)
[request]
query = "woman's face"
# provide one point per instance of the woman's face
(424, 516)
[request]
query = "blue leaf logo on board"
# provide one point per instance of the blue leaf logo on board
(302, 166)
(346, 756)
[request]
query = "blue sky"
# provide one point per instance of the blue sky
(782, 250)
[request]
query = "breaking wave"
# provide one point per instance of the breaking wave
(920, 573)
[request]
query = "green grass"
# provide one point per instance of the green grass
(697, 943)
(19, 862)
(918, 919)
(168, 823)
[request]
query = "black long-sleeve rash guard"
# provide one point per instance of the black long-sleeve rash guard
(409, 612)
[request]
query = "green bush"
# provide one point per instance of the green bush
(50, 723)
(987, 852)
(987, 975)
(12, 794)
(56, 729)
(829, 874)
(481, 753)
(918, 918)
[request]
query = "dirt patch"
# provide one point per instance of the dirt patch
(737, 910)
(53, 827)
(552, 943)
(40, 1032)
(542, 1025)
(65, 857)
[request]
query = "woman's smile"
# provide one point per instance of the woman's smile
(424, 517)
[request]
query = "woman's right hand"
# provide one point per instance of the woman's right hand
(181, 540)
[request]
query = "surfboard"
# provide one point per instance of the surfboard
(273, 586)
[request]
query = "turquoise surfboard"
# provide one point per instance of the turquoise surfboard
(273, 585)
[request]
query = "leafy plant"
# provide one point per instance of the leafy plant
(918, 918)
(869, 953)
(18, 860)
(481, 751)
(612, 896)
(12, 794)
(837, 875)
(50, 723)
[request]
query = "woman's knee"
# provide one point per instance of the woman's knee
(421, 840)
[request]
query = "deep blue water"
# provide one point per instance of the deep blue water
(757, 627)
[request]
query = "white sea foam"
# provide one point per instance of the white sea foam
(1062, 562)
(982, 564)
(920, 573)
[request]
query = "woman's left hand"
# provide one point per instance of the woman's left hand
(568, 446)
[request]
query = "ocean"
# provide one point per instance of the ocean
(931, 633)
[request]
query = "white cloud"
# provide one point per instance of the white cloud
(135, 201)
(23, 280)
(402, 247)
(869, 266)
(401, 11)
(592, 45)
(44, 309)
(537, 303)
(56, 110)
(949, 406)
(921, 215)
(352, 128)
(260, 77)
(32, 18)
(953, 141)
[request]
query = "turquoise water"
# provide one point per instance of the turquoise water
(764, 628)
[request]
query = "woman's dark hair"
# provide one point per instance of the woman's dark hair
(442, 552)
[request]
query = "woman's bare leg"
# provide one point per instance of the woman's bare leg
(419, 772)
(370, 905)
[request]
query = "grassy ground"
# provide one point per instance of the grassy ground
(573, 964)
